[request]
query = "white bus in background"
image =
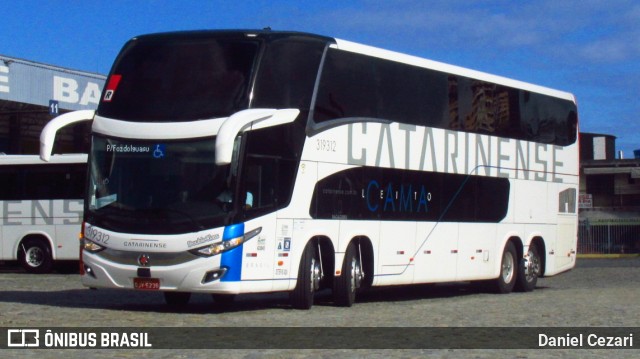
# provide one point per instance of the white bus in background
(41, 209)
(231, 162)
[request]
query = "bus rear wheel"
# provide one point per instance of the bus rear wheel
(529, 270)
(508, 270)
(35, 256)
(309, 276)
(346, 286)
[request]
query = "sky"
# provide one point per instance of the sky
(590, 48)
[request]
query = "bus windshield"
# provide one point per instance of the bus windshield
(155, 187)
(168, 79)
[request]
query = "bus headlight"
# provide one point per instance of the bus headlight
(225, 245)
(90, 246)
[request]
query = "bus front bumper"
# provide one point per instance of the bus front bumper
(198, 275)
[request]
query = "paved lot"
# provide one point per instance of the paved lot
(598, 293)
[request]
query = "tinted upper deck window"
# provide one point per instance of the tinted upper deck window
(167, 79)
(357, 87)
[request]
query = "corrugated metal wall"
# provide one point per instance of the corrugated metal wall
(32, 93)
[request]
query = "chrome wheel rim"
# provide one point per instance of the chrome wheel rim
(507, 267)
(356, 274)
(531, 266)
(315, 275)
(34, 257)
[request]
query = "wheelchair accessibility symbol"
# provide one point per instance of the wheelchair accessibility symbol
(158, 151)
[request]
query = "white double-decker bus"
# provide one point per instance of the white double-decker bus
(41, 209)
(233, 162)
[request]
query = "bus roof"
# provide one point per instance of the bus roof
(265, 33)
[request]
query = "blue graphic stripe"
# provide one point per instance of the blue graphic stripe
(232, 259)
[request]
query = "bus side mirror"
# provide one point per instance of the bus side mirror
(255, 118)
(48, 135)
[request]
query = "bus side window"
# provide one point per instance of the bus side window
(261, 177)
(11, 183)
(269, 170)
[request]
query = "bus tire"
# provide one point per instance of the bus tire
(347, 284)
(529, 270)
(177, 299)
(308, 279)
(508, 270)
(35, 256)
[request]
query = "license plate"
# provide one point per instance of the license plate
(146, 283)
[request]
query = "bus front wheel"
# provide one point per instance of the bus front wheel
(35, 256)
